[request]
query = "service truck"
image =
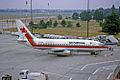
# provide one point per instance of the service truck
(27, 75)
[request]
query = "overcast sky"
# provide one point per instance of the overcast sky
(62, 4)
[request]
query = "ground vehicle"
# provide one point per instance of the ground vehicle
(27, 75)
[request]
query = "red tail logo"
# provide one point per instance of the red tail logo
(23, 30)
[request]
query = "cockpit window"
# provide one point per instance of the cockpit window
(21, 73)
(76, 42)
(101, 44)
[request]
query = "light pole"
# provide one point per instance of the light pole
(31, 10)
(31, 18)
(87, 18)
(26, 12)
(2, 25)
(48, 12)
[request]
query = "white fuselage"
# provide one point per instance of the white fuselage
(72, 44)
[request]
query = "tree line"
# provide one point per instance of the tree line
(111, 17)
(109, 20)
(42, 24)
(98, 14)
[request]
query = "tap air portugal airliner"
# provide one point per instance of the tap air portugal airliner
(59, 47)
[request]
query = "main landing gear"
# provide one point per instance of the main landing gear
(93, 53)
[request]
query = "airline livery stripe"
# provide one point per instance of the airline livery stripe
(32, 39)
(69, 46)
(29, 39)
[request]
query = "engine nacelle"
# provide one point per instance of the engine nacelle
(61, 52)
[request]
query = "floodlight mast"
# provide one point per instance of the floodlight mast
(87, 18)
(2, 25)
(48, 12)
(31, 10)
(26, 12)
(31, 17)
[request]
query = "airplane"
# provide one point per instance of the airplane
(60, 47)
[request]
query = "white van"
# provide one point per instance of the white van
(26, 75)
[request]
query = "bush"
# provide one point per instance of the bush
(69, 24)
(78, 24)
(75, 16)
(42, 24)
(111, 24)
(55, 23)
(63, 23)
(59, 17)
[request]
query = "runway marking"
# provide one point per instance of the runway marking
(102, 68)
(109, 67)
(97, 63)
(89, 78)
(70, 78)
(105, 67)
(96, 71)
(109, 75)
(84, 67)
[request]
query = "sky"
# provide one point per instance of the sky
(59, 4)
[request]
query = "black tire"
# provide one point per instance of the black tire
(93, 53)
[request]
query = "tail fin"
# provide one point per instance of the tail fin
(23, 31)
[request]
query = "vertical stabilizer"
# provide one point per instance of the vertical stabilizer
(24, 33)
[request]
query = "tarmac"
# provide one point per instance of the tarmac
(15, 57)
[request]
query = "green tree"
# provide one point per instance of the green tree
(107, 12)
(69, 24)
(55, 23)
(31, 25)
(111, 24)
(89, 16)
(118, 11)
(98, 15)
(75, 16)
(35, 26)
(59, 17)
(42, 24)
(78, 24)
(63, 23)
(113, 8)
(85, 16)
(49, 23)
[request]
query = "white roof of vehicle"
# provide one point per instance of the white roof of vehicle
(24, 70)
(34, 74)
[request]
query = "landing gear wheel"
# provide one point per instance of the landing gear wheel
(93, 53)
